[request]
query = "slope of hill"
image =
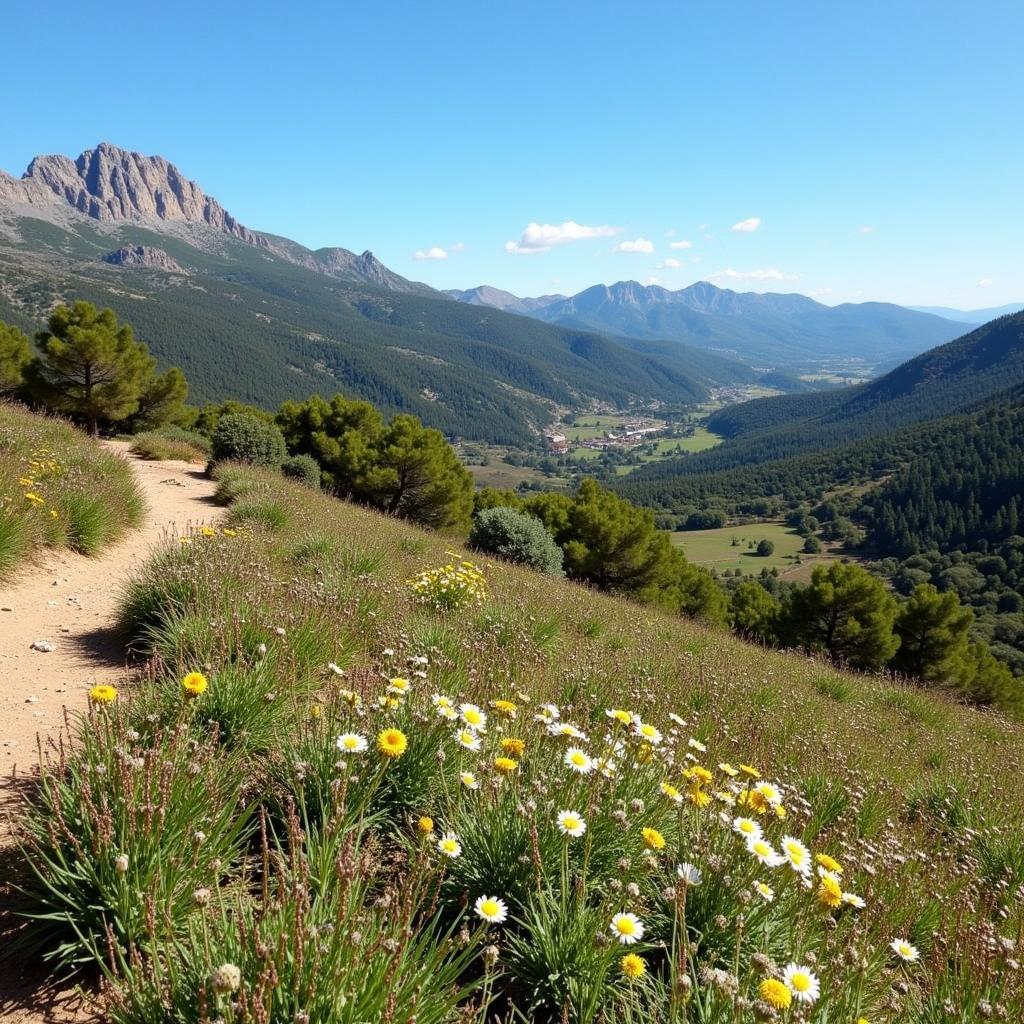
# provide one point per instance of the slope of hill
(971, 316)
(766, 434)
(766, 329)
(261, 318)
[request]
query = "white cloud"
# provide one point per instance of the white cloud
(652, 280)
(761, 274)
(433, 253)
(748, 225)
(669, 264)
(866, 229)
(985, 282)
(541, 237)
(458, 247)
(683, 243)
(636, 245)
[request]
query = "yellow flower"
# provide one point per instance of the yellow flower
(194, 684)
(103, 694)
(696, 795)
(505, 765)
(26, 481)
(750, 771)
(54, 513)
(670, 791)
(512, 745)
(775, 994)
(208, 531)
(653, 839)
(229, 533)
(34, 498)
(728, 769)
(620, 716)
(698, 774)
(392, 743)
(632, 966)
(506, 707)
(315, 711)
(425, 825)
(829, 864)
(830, 892)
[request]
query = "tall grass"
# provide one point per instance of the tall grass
(58, 488)
(331, 896)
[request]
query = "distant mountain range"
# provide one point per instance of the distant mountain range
(767, 330)
(261, 318)
(971, 316)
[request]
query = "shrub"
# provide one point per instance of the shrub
(244, 438)
(171, 443)
(516, 537)
(765, 548)
(304, 468)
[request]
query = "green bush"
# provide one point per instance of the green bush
(516, 537)
(304, 468)
(171, 443)
(242, 438)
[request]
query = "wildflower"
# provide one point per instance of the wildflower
(565, 729)
(653, 839)
(351, 743)
(728, 769)
(439, 700)
(797, 854)
(468, 779)
(121, 863)
(828, 863)
(392, 743)
(648, 733)
(671, 792)
(208, 531)
(398, 685)
(775, 994)
(769, 793)
(746, 827)
(336, 669)
(632, 966)
(472, 716)
(765, 891)
(491, 909)
(579, 761)
(448, 712)
(673, 717)
(229, 533)
(506, 765)
(618, 715)
(802, 982)
(512, 745)
(627, 928)
(226, 978)
(34, 498)
(905, 951)
(764, 852)
(830, 892)
(194, 684)
(103, 694)
(425, 825)
(449, 845)
(699, 774)
(750, 771)
(350, 697)
(851, 899)
(697, 795)
(505, 707)
(689, 873)
(548, 713)
(315, 711)
(468, 739)
(571, 824)
(696, 745)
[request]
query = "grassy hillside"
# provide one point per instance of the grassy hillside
(246, 324)
(58, 488)
(285, 875)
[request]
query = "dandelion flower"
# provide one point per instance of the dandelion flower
(828, 863)
(571, 824)
(905, 951)
(449, 845)
(351, 743)
(468, 779)
(653, 839)
(802, 982)
(392, 743)
(194, 684)
(750, 771)
(103, 694)
(425, 825)
(513, 746)
(627, 928)
(506, 765)
(632, 966)
(775, 994)
(491, 909)
(830, 892)
(505, 707)
(746, 827)
(671, 792)
(579, 761)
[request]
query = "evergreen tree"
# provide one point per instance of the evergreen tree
(89, 365)
(753, 612)
(162, 401)
(932, 628)
(15, 354)
(846, 612)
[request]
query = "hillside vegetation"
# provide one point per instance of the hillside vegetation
(58, 488)
(371, 778)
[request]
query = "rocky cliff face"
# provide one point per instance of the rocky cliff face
(143, 256)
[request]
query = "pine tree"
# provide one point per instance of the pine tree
(932, 628)
(15, 354)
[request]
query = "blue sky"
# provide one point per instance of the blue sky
(876, 145)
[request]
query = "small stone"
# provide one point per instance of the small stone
(43, 646)
(31, 700)
(6, 608)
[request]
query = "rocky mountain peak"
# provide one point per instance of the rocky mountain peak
(143, 256)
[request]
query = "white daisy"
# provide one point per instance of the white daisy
(468, 739)
(798, 856)
(647, 733)
(765, 891)
(764, 852)
(689, 873)
(473, 716)
(802, 982)
(491, 909)
(351, 743)
(571, 824)
(905, 951)
(469, 780)
(579, 761)
(627, 928)
(449, 845)
(747, 828)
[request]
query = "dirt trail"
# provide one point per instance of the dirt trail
(68, 601)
